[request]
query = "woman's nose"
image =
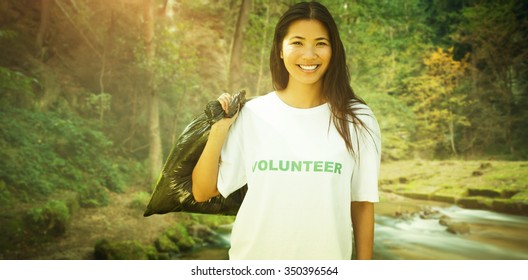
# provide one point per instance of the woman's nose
(309, 53)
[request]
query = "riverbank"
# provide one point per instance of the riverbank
(119, 229)
(500, 186)
(406, 189)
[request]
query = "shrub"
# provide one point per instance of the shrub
(41, 152)
(5, 195)
(51, 220)
(94, 197)
(140, 200)
(179, 235)
(124, 250)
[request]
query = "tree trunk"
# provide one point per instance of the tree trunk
(235, 62)
(155, 154)
(452, 135)
(48, 80)
(43, 27)
(263, 49)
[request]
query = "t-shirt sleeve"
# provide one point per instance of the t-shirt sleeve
(231, 171)
(367, 148)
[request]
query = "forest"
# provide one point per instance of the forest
(94, 93)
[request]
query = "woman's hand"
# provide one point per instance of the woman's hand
(225, 123)
(224, 100)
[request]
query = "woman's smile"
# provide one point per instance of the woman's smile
(308, 68)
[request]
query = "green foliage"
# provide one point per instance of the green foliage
(4, 33)
(440, 107)
(384, 40)
(95, 196)
(494, 185)
(51, 220)
(140, 201)
(496, 33)
(5, 196)
(14, 232)
(179, 235)
(94, 69)
(16, 88)
(100, 103)
(165, 245)
(42, 152)
(397, 123)
(124, 250)
(258, 38)
(212, 221)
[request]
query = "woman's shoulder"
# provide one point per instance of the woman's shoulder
(259, 102)
(254, 106)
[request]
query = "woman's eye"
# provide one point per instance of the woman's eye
(322, 44)
(296, 43)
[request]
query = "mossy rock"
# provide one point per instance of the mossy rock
(524, 207)
(509, 193)
(212, 221)
(386, 182)
(521, 196)
(454, 227)
(510, 206)
(403, 180)
(443, 198)
(51, 220)
(124, 250)
(458, 228)
(165, 245)
(179, 235)
(485, 192)
(474, 202)
(415, 195)
(449, 194)
(418, 192)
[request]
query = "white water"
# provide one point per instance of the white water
(492, 236)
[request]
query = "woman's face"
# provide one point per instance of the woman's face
(306, 51)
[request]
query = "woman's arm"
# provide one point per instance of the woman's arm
(205, 173)
(362, 213)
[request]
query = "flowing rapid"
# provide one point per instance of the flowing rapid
(409, 229)
(491, 236)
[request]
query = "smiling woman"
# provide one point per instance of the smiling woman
(298, 150)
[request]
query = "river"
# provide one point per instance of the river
(492, 236)
(401, 234)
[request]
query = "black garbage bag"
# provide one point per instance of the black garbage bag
(173, 192)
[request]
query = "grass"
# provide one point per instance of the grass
(495, 185)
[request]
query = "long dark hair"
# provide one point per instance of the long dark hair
(336, 81)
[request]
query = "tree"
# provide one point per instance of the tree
(43, 26)
(496, 33)
(384, 41)
(155, 151)
(437, 100)
(257, 44)
(235, 63)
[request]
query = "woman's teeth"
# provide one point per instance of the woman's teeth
(308, 67)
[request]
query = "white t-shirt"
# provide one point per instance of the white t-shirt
(301, 179)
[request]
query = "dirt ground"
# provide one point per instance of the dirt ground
(115, 222)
